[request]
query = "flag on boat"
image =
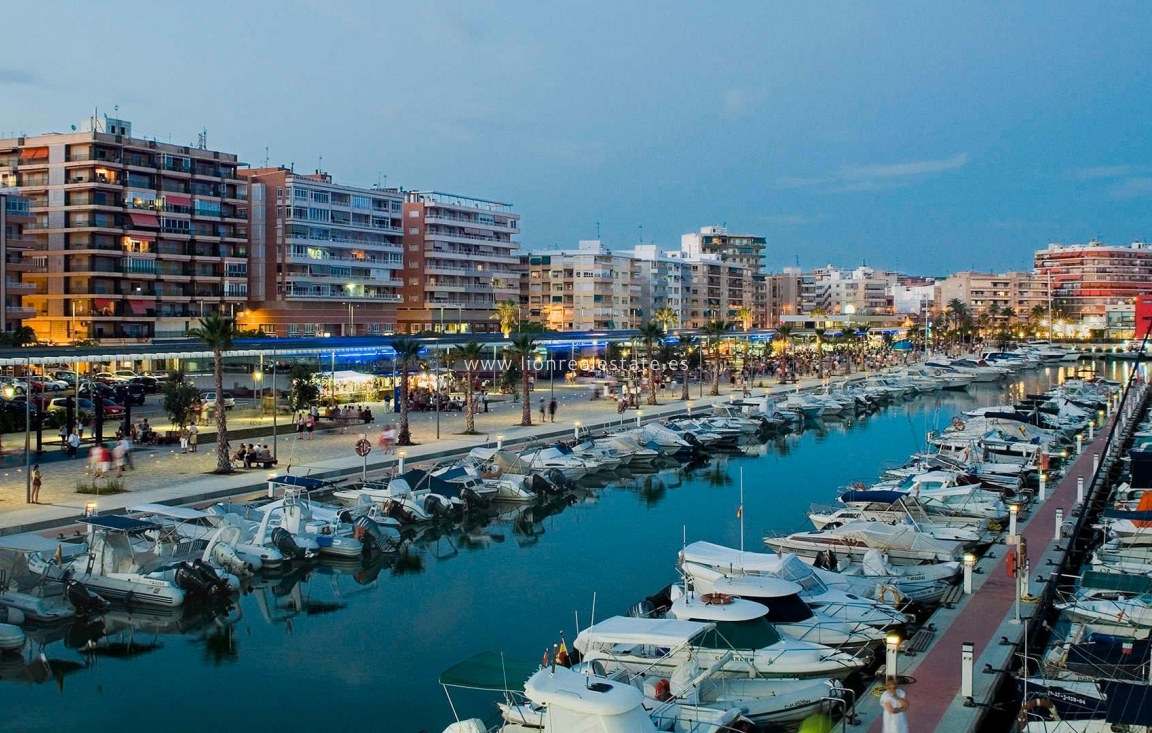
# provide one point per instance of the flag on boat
(545, 662)
(59, 555)
(562, 654)
(740, 512)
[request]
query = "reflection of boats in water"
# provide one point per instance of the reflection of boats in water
(37, 670)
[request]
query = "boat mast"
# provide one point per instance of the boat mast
(740, 511)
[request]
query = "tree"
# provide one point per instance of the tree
(689, 351)
(650, 334)
(179, 396)
(19, 337)
(302, 389)
(216, 332)
(407, 351)
(508, 314)
(666, 317)
(470, 355)
(715, 331)
(744, 317)
(523, 349)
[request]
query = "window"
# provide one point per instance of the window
(206, 208)
(413, 281)
(413, 214)
(293, 329)
(413, 264)
(279, 194)
(299, 194)
(361, 202)
(413, 230)
(320, 197)
(315, 214)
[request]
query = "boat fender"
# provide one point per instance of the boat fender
(663, 690)
(1036, 702)
(1010, 563)
(716, 599)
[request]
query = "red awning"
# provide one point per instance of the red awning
(33, 153)
(144, 220)
(142, 237)
(102, 303)
(173, 199)
(139, 307)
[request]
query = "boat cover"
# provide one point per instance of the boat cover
(1129, 703)
(880, 496)
(1124, 514)
(654, 631)
(1122, 582)
(1107, 658)
(163, 510)
(720, 557)
(435, 484)
(886, 536)
(304, 482)
(118, 523)
(489, 671)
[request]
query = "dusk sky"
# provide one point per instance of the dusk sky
(928, 137)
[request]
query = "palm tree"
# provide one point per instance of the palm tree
(784, 333)
(470, 353)
(508, 314)
(407, 350)
(666, 317)
(744, 317)
(651, 334)
(715, 331)
(687, 344)
(523, 347)
(216, 332)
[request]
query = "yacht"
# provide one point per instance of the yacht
(903, 544)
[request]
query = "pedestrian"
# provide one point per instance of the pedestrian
(184, 434)
(310, 425)
(36, 478)
(542, 409)
(895, 704)
(126, 443)
(552, 409)
(299, 427)
(105, 458)
(73, 444)
(193, 437)
(118, 458)
(64, 437)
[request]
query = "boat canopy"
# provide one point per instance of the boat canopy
(489, 671)
(878, 496)
(1119, 582)
(1129, 703)
(756, 586)
(887, 536)
(736, 609)
(656, 631)
(172, 512)
(32, 543)
(1135, 516)
(304, 482)
(117, 523)
(564, 691)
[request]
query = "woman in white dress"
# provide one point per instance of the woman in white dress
(895, 704)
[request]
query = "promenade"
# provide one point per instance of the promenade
(165, 475)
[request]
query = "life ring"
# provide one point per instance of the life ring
(663, 690)
(883, 592)
(716, 599)
(1036, 702)
(859, 486)
(957, 423)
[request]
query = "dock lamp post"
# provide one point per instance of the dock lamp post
(689, 408)
(1013, 510)
(1079, 443)
(1080, 490)
(499, 441)
(966, 656)
(969, 564)
(1043, 486)
(892, 650)
(576, 430)
(1095, 463)
(401, 455)
(638, 414)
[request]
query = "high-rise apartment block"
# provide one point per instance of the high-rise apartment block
(741, 249)
(1020, 291)
(459, 260)
(15, 218)
(1085, 279)
(133, 236)
(324, 258)
(586, 289)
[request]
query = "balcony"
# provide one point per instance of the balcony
(20, 311)
(328, 293)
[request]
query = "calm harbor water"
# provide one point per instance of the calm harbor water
(350, 646)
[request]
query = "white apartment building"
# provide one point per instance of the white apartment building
(585, 289)
(864, 289)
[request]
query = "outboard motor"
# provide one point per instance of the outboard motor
(694, 442)
(398, 511)
(189, 580)
(474, 500)
(221, 584)
(84, 600)
(226, 555)
(557, 478)
(373, 536)
(435, 505)
(283, 541)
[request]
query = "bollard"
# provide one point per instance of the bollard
(689, 408)
(1079, 444)
(1095, 463)
(966, 655)
(1043, 487)
(1080, 490)
(969, 563)
(1013, 510)
(500, 441)
(1059, 525)
(401, 455)
(638, 414)
(892, 643)
(576, 430)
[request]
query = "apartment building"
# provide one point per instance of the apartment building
(1086, 278)
(663, 282)
(717, 290)
(324, 258)
(783, 294)
(913, 295)
(746, 250)
(586, 289)
(459, 261)
(1020, 291)
(863, 290)
(135, 237)
(15, 217)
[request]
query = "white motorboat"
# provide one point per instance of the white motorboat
(662, 645)
(637, 454)
(903, 544)
(552, 458)
(778, 602)
(704, 563)
(398, 500)
(111, 566)
(609, 458)
(296, 514)
(195, 525)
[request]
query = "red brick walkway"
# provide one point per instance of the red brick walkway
(938, 674)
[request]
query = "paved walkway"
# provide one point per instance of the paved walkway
(166, 475)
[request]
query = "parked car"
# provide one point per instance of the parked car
(111, 408)
(60, 404)
(125, 373)
(129, 393)
(208, 399)
(151, 385)
(18, 407)
(106, 377)
(87, 389)
(159, 375)
(18, 386)
(48, 384)
(67, 377)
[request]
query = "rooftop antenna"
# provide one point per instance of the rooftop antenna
(202, 139)
(265, 156)
(641, 228)
(597, 230)
(320, 164)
